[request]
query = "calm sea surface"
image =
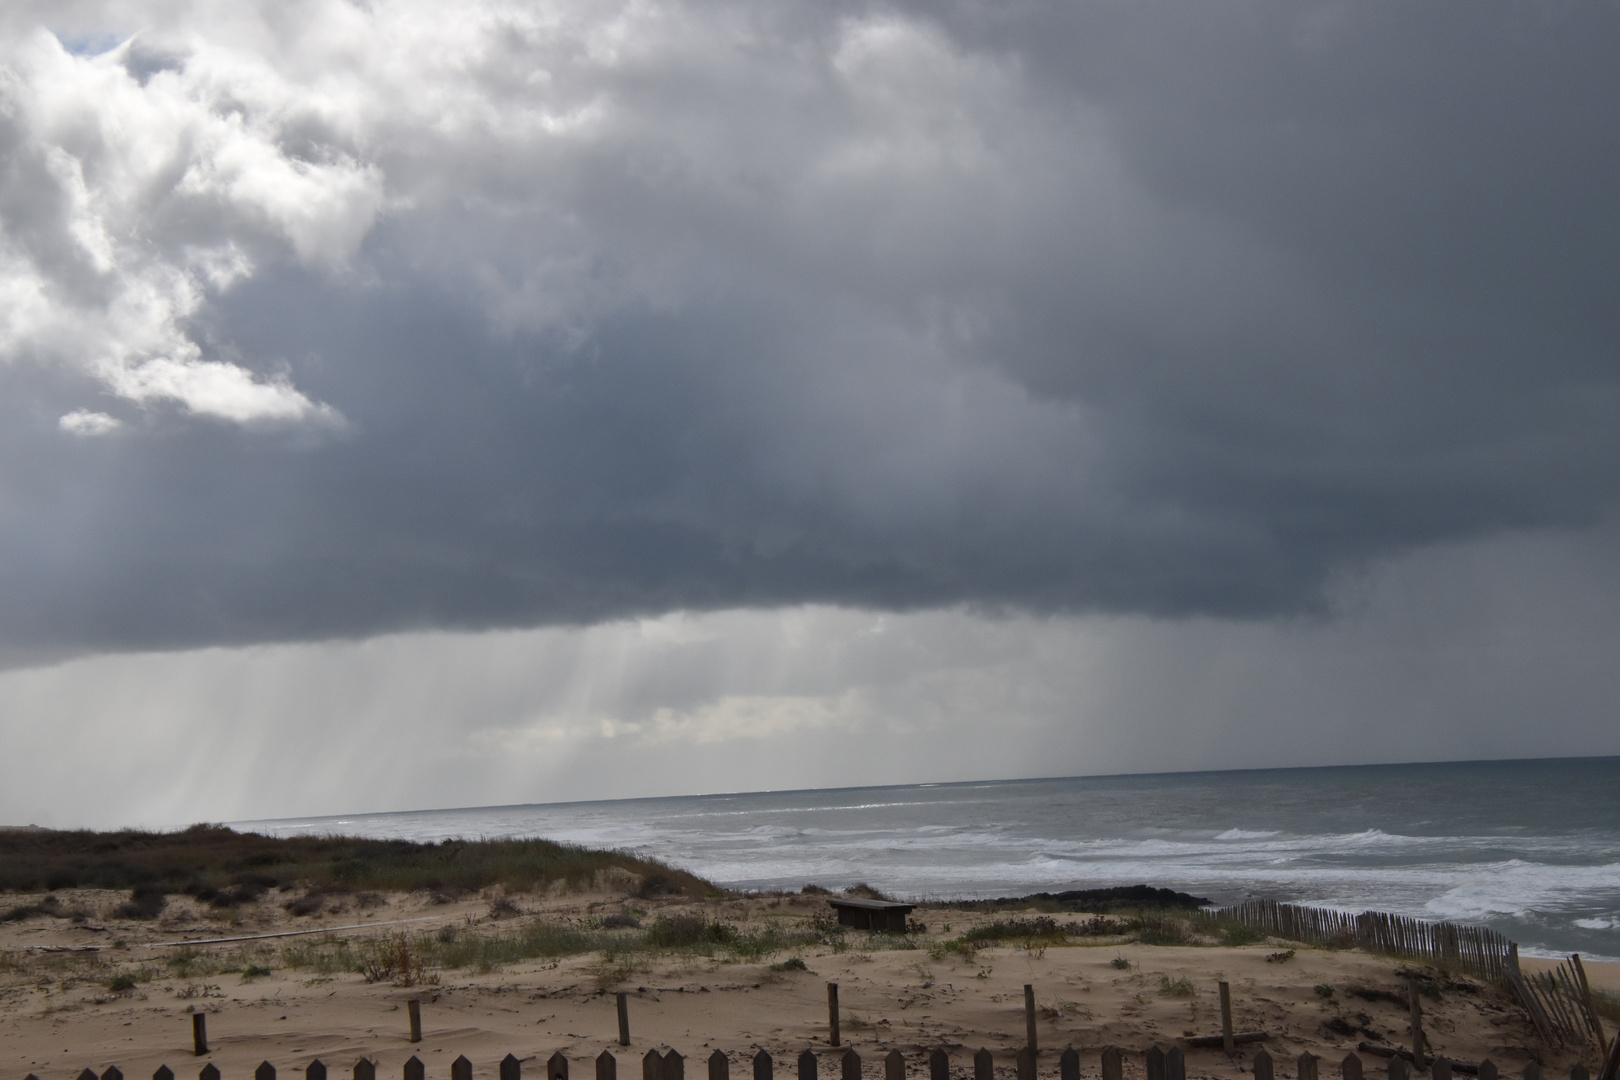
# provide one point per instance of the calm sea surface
(1531, 848)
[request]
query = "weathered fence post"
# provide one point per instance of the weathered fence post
(894, 1066)
(88, 1074)
(1113, 1063)
(365, 1069)
(624, 1018)
(210, 1071)
(511, 1068)
(1532, 1070)
(607, 1066)
(115, 1073)
(1350, 1067)
(850, 1064)
(414, 1069)
(1029, 1022)
(1069, 1065)
(1578, 1071)
(1440, 1069)
(1487, 1070)
(1227, 1043)
(1262, 1065)
(764, 1066)
(1154, 1063)
(556, 1068)
(1418, 1061)
(1398, 1069)
(832, 1013)
(652, 1065)
(807, 1066)
(1175, 1064)
(315, 1070)
(163, 1072)
(265, 1071)
(719, 1066)
(199, 1034)
(1591, 1009)
(461, 1068)
(674, 1065)
(939, 1065)
(414, 1007)
(1024, 1064)
(984, 1066)
(1307, 1066)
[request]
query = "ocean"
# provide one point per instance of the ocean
(1529, 848)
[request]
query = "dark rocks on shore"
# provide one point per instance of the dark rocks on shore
(1097, 901)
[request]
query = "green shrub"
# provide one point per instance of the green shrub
(791, 964)
(1323, 990)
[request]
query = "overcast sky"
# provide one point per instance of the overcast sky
(414, 404)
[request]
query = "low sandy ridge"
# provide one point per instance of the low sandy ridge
(266, 999)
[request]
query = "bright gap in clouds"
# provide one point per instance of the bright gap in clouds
(1440, 657)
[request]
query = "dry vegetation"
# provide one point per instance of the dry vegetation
(225, 867)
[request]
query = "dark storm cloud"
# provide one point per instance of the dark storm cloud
(1135, 308)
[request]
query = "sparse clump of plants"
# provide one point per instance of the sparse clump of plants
(145, 902)
(121, 984)
(254, 971)
(792, 963)
(1120, 963)
(395, 958)
(1280, 957)
(1235, 934)
(621, 920)
(1323, 991)
(1161, 928)
(1182, 987)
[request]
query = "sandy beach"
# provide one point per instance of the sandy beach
(60, 1014)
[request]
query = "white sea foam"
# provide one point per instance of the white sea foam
(1382, 838)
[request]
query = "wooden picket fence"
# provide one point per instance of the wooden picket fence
(1158, 1064)
(1469, 950)
(1558, 1002)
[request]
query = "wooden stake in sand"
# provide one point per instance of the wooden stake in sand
(807, 1065)
(365, 1069)
(607, 1066)
(414, 1007)
(512, 1068)
(1024, 1064)
(984, 1066)
(832, 1014)
(1418, 1061)
(1226, 1020)
(1069, 1065)
(556, 1068)
(764, 1067)
(719, 1066)
(315, 1070)
(894, 1066)
(1113, 1064)
(1307, 1066)
(851, 1064)
(1029, 1018)
(939, 1065)
(461, 1068)
(199, 1034)
(624, 1018)
(1262, 1065)
(1350, 1067)
(414, 1069)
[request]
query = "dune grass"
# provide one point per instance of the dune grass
(219, 864)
